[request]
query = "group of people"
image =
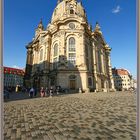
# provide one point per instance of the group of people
(43, 92)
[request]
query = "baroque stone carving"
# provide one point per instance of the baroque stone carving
(80, 34)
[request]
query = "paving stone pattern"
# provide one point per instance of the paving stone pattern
(93, 116)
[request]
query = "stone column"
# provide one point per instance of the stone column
(83, 52)
(27, 70)
(105, 63)
(95, 68)
(110, 71)
(49, 52)
(102, 62)
(46, 55)
(29, 57)
(34, 60)
(84, 62)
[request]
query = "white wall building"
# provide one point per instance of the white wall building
(122, 79)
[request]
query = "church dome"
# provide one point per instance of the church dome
(68, 9)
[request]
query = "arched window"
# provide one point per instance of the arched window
(99, 61)
(55, 56)
(72, 44)
(71, 11)
(71, 52)
(55, 50)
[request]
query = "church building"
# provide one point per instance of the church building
(69, 53)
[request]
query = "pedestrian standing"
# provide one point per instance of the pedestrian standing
(31, 92)
(51, 91)
(42, 92)
(46, 91)
(57, 90)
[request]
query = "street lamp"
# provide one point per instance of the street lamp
(16, 86)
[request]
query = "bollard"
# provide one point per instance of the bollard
(80, 90)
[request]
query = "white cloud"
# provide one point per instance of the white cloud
(15, 67)
(116, 10)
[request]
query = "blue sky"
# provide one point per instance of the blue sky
(117, 19)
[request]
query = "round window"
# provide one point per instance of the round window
(72, 25)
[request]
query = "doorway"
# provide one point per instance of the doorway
(72, 84)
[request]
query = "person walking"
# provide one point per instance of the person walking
(42, 92)
(51, 91)
(31, 92)
(57, 89)
(46, 91)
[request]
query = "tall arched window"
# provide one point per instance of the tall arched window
(71, 52)
(55, 56)
(71, 44)
(55, 50)
(99, 61)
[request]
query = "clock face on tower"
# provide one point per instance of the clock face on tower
(72, 26)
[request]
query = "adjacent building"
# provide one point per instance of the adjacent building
(13, 77)
(69, 53)
(122, 79)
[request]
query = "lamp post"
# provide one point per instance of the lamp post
(16, 86)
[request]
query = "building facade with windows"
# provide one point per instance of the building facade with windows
(13, 77)
(69, 53)
(122, 79)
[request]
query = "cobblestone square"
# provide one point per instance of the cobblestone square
(91, 116)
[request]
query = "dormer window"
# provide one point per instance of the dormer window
(71, 11)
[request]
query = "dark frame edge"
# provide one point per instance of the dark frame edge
(1, 73)
(138, 68)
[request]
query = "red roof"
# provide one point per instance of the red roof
(120, 72)
(15, 71)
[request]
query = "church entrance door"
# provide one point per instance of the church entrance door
(72, 84)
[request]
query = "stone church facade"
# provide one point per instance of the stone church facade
(69, 53)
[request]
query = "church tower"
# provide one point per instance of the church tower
(39, 28)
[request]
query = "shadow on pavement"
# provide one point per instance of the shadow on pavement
(24, 95)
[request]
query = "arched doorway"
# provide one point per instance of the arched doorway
(72, 82)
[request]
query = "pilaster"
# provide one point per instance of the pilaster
(112, 88)
(95, 68)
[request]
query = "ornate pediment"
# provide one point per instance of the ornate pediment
(62, 62)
